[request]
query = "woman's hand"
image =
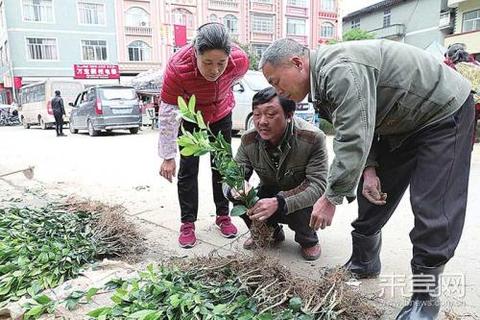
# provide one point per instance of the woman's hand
(167, 169)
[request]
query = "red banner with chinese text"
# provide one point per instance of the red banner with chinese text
(96, 71)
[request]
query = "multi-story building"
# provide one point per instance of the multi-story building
(467, 25)
(254, 22)
(416, 22)
(43, 39)
(139, 36)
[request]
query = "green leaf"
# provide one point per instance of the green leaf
(191, 104)
(295, 303)
(238, 210)
(71, 304)
(35, 311)
(43, 299)
(99, 312)
(219, 309)
(142, 314)
(200, 122)
(182, 105)
(188, 151)
(174, 300)
(90, 293)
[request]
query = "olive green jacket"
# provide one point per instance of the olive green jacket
(377, 87)
(302, 170)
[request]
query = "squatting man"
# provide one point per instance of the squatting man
(290, 157)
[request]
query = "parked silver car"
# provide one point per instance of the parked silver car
(106, 108)
(245, 89)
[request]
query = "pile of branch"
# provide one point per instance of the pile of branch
(273, 286)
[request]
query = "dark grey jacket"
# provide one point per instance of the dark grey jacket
(57, 105)
(302, 171)
(378, 87)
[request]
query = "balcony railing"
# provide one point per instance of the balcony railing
(192, 3)
(327, 15)
(262, 36)
(297, 11)
(262, 7)
(302, 39)
(138, 31)
(454, 3)
(393, 31)
(231, 5)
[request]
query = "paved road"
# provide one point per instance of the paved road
(121, 168)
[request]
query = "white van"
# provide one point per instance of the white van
(245, 89)
(35, 101)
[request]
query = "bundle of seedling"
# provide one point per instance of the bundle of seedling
(233, 288)
(40, 248)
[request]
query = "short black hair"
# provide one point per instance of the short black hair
(457, 53)
(212, 36)
(267, 94)
(57, 92)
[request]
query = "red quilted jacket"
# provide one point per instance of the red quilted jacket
(214, 99)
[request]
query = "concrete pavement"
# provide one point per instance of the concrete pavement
(122, 169)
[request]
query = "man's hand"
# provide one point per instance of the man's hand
(167, 169)
(372, 189)
(241, 193)
(322, 214)
(263, 209)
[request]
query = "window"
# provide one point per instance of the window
(259, 49)
(38, 10)
(296, 27)
(327, 30)
(297, 3)
(328, 5)
(355, 24)
(42, 48)
(213, 18)
(231, 23)
(386, 18)
(35, 93)
(137, 17)
(94, 50)
(139, 51)
(262, 23)
(471, 21)
(183, 17)
(91, 13)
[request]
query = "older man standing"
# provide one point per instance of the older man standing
(402, 119)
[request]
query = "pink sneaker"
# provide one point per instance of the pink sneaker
(227, 229)
(187, 237)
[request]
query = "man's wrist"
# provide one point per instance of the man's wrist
(282, 205)
(369, 172)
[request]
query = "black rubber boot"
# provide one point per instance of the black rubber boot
(365, 260)
(425, 303)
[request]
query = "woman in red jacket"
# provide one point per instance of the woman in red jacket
(208, 68)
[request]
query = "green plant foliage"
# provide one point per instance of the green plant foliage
(253, 58)
(40, 248)
(170, 293)
(203, 141)
(357, 34)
